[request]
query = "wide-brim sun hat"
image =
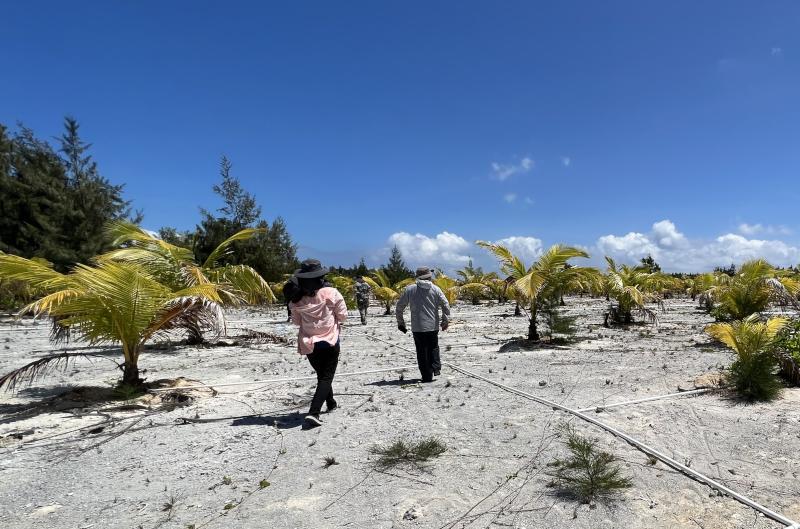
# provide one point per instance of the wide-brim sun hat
(423, 272)
(310, 269)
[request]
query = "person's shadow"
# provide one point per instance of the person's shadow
(404, 382)
(281, 421)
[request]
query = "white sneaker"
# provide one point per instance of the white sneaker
(313, 420)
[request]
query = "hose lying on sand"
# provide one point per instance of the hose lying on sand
(288, 379)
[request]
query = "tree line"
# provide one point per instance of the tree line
(55, 204)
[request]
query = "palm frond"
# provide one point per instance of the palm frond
(30, 373)
(37, 273)
(187, 312)
(381, 279)
(224, 248)
(247, 281)
(400, 285)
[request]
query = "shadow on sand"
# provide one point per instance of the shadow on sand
(53, 400)
(404, 382)
(281, 421)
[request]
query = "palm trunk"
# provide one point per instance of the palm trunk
(517, 311)
(194, 335)
(533, 334)
(388, 309)
(130, 374)
(130, 368)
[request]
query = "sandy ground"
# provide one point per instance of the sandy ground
(142, 466)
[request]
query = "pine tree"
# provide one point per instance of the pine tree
(396, 269)
(240, 206)
(93, 201)
(80, 165)
(272, 253)
(54, 206)
(650, 264)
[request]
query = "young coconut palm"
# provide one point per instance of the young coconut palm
(112, 302)
(176, 266)
(698, 284)
(448, 285)
(752, 374)
(474, 283)
(545, 280)
(631, 288)
(345, 286)
(383, 289)
(751, 290)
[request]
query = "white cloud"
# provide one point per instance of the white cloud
(445, 249)
(502, 171)
(527, 248)
(677, 253)
(450, 251)
(776, 51)
(566, 161)
(528, 200)
(667, 235)
(753, 229)
(630, 247)
(510, 197)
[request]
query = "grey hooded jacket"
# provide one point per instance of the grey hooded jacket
(425, 299)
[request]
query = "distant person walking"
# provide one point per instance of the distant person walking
(362, 290)
(319, 310)
(425, 299)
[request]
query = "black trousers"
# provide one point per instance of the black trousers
(427, 345)
(324, 360)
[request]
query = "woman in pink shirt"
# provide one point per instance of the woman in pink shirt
(319, 310)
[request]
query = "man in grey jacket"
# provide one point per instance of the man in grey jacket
(425, 299)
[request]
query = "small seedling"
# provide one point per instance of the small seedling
(170, 504)
(651, 460)
(230, 505)
(263, 484)
(226, 480)
(589, 473)
(414, 453)
(329, 462)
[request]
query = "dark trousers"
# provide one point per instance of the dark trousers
(362, 309)
(324, 360)
(427, 345)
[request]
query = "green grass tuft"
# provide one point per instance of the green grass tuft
(405, 452)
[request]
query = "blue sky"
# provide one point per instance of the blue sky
(626, 127)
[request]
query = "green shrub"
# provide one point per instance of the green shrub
(588, 474)
(788, 352)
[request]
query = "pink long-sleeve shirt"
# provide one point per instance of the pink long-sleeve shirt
(318, 317)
